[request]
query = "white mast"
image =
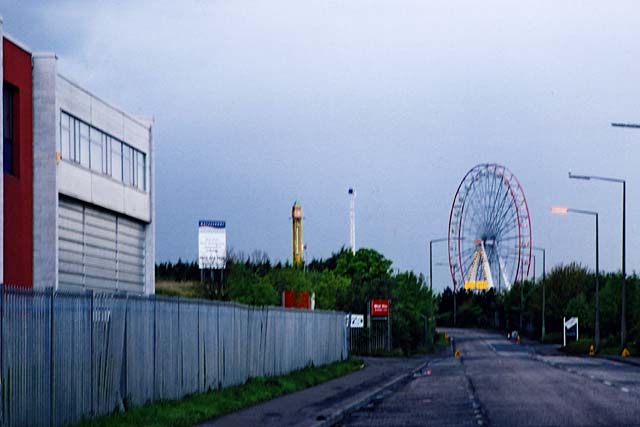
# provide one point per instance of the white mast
(352, 220)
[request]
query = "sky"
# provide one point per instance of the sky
(258, 104)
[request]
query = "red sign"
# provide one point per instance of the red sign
(379, 307)
(293, 299)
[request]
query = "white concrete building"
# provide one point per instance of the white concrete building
(94, 189)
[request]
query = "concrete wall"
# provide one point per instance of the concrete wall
(92, 187)
(46, 117)
(83, 184)
(53, 94)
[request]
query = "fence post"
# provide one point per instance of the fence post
(370, 334)
(154, 347)
(124, 386)
(51, 357)
(93, 382)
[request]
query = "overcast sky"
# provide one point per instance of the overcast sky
(261, 103)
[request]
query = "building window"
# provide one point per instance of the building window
(8, 95)
(65, 137)
(140, 171)
(116, 159)
(95, 157)
(127, 176)
(90, 147)
(83, 138)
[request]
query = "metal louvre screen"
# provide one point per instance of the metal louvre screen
(99, 249)
(72, 355)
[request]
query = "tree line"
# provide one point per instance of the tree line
(569, 291)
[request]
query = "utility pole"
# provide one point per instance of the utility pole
(623, 309)
(544, 284)
(560, 210)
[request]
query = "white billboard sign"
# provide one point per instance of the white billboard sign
(212, 244)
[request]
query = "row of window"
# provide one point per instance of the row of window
(102, 153)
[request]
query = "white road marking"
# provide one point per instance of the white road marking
(607, 382)
(626, 390)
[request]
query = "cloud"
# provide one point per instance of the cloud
(261, 103)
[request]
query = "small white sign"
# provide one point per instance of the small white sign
(212, 244)
(568, 324)
(357, 321)
(571, 322)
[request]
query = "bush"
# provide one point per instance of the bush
(577, 348)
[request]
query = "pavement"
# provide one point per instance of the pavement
(325, 403)
(499, 383)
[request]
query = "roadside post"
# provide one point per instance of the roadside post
(568, 325)
(380, 311)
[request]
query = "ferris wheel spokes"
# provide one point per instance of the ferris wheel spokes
(490, 213)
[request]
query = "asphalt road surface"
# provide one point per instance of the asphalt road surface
(499, 383)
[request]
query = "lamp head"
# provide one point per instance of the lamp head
(559, 210)
(574, 176)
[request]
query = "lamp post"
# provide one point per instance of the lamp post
(431, 242)
(544, 284)
(623, 287)
(563, 211)
(623, 309)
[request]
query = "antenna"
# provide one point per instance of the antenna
(352, 220)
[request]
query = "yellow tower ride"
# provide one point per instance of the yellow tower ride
(296, 219)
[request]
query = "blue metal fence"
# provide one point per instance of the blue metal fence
(67, 356)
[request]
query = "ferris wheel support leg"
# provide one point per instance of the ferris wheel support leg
(486, 267)
(507, 283)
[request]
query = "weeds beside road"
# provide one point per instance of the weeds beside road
(199, 407)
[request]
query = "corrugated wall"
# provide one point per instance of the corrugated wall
(66, 355)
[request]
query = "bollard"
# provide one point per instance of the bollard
(453, 345)
(592, 350)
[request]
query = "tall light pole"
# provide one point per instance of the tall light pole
(544, 284)
(623, 287)
(623, 309)
(431, 242)
(563, 211)
(352, 220)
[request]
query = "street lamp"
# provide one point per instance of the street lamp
(431, 242)
(544, 276)
(563, 211)
(623, 287)
(623, 310)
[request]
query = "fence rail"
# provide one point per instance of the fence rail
(67, 356)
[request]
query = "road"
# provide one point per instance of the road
(308, 406)
(499, 383)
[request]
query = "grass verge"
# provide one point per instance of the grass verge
(202, 406)
(180, 289)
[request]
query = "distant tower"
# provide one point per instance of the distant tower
(352, 220)
(298, 247)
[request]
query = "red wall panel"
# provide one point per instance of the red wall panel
(18, 188)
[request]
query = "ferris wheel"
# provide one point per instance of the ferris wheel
(489, 230)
